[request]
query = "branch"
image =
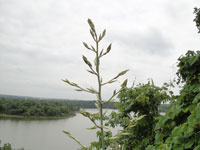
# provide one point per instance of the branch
(114, 79)
(92, 30)
(89, 48)
(101, 36)
(88, 115)
(89, 90)
(76, 140)
(89, 64)
(110, 100)
(107, 50)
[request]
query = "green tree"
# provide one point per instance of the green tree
(197, 17)
(179, 129)
(138, 109)
(7, 146)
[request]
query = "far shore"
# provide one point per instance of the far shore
(5, 116)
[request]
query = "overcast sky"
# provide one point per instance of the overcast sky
(41, 43)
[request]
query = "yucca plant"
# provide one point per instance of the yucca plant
(94, 70)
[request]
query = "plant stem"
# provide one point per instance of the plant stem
(99, 95)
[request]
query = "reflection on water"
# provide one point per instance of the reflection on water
(46, 134)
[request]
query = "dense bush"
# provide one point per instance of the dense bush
(197, 18)
(138, 109)
(179, 129)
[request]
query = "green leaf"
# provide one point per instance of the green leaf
(189, 144)
(174, 111)
(124, 83)
(191, 119)
(178, 140)
(106, 127)
(86, 61)
(176, 131)
(76, 140)
(197, 148)
(123, 72)
(102, 36)
(108, 49)
(104, 33)
(91, 24)
(196, 99)
(189, 108)
(193, 60)
(161, 121)
(90, 71)
(92, 90)
(187, 129)
(178, 147)
(92, 128)
(101, 53)
(158, 138)
(150, 147)
(171, 115)
(197, 113)
(85, 44)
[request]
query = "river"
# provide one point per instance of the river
(47, 134)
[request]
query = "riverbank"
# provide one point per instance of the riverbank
(18, 117)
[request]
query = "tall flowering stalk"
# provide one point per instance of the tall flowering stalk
(94, 70)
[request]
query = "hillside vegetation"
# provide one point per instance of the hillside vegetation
(36, 108)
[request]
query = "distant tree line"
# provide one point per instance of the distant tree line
(36, 108)
(33, 107)
(90, 104)
(7, 146)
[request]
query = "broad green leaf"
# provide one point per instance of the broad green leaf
(174, 111)
(197, 113)
(193, 60)
(190, 108)
(177, 131)
(150, 147)
(161, 122)
(178, 147)
(191, 119)
(178, 140)
(189, 144)
(158, 138)
(197, 148)
(197, 98)
(172, 115)
(187, 129)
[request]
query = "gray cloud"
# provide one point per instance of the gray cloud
(151, 41)
(41, 42)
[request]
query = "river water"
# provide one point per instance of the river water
(47, 134)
